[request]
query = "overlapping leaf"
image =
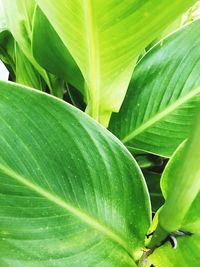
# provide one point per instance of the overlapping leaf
(25, 72)
(191, 220)
(157, 112)
(49, 50)
(181, 189)
(153, 182)
(19, 21)
(70, 194)
(105, 38)
(6, 44)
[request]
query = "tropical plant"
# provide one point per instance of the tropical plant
(74, 193)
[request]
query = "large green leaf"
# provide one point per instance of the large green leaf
(50, 52)
(158, 109)
(187, 254)
(105, 38)
(70, 194)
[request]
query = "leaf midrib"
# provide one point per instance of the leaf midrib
(103, 229)
(159, 116)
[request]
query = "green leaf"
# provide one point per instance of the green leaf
(187, 254)
(181, 183)
(18, 16)
(25, 72)
(19, 19)
(188, 249)
(105, 38)
(191, 221)
(50, 52)
(6, 45)
(158, 109)
(71, 194)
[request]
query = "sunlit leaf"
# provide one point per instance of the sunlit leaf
(105, 37)
(160, 103)
(185, 255)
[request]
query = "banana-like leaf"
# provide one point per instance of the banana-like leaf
(105, 38)
(187, 254)
(191, 220)
(70, 194)
(181, 183)
(50, 52)
(158, 109)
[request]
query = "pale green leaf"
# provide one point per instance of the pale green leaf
(105, 37)
(187, 254)
(160, 103)
(71, 194)
(18, 15)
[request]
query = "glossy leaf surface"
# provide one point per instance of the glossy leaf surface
(160, 103)
(105, 37)
(70, 191)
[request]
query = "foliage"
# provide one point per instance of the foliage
(74, 193)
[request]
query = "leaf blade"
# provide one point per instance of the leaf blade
(105, 53)
(150, 113)
(56, 162)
